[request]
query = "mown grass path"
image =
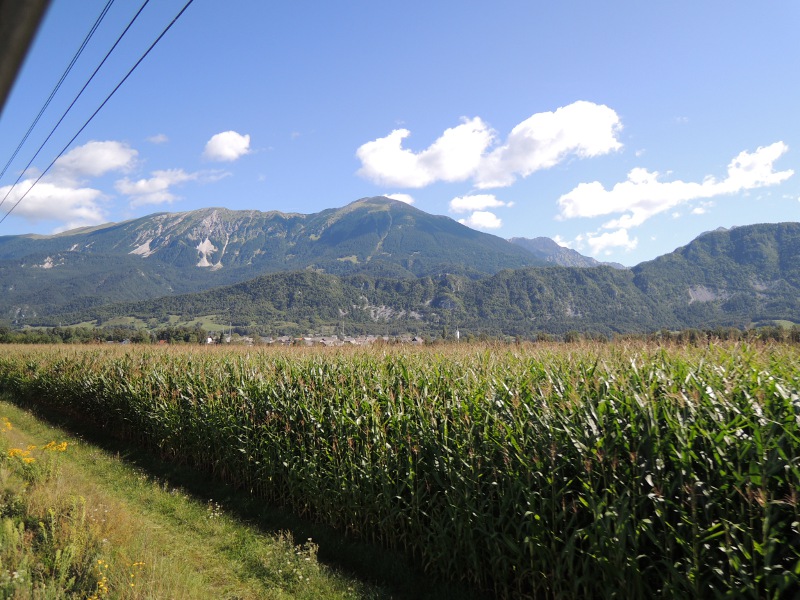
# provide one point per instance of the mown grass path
(86, 523)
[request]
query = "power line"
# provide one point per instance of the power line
(99, 108)
(69, 108)
(57, 86)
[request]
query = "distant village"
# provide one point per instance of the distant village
(327, 340)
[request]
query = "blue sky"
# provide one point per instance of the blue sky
(621, 129)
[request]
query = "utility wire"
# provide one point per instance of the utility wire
(57, 86)
(99, 108)
(53, 130)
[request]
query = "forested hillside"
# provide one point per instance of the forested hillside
(749, 275)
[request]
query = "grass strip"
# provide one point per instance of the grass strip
(84, 523)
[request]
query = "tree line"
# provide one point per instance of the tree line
(99, 335)
(181, 334)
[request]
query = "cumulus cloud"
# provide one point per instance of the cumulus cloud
(609, 240)
(94, 159)
(703, 208)
(644, 195)
(482, 219)
(581, 129)
(462, 204)
(401, 197)
(227, 146)
(63, 195)
(565, 243)
(49, 201)
(156, 189)
(453, 157)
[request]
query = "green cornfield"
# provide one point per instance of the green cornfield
(556, 471)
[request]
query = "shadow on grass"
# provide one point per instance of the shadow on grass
(397, 574)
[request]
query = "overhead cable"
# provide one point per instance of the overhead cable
(99, 108)
(58, 86)
(53, 130)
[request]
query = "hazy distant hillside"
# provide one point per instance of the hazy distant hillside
(551, 252)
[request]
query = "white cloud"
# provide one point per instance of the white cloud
(453, 157)
(582, 129)
(401, 197)
(159, 138)
(748, 171)
(63, 195)
(156, 189)
(605, 242)
(703, 208)
(463, 204)
(48, 201)
(227, 146)
(481, 219)
(562, 242)
(643, 195)
(94, 159)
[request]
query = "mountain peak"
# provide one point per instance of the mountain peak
(167, 253)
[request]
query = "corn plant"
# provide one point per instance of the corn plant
(547, 472)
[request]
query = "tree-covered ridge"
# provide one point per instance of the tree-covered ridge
(377, 265)
(729, 276)
(749, 275)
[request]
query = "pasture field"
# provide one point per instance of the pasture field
(547, 471)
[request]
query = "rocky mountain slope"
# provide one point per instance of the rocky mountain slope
(171, 253)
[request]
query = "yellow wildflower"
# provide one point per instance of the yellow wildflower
(25, 455)
(55, 447)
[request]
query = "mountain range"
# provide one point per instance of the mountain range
(377, 265)
(169, 253)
